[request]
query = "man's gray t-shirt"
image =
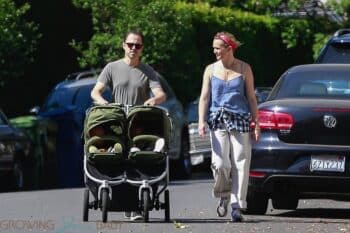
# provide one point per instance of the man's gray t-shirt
(129, 85)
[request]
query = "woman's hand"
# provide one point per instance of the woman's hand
(201, 129)
(256, 133)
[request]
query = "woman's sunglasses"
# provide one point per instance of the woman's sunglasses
(132, 45)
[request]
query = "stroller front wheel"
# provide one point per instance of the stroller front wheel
(167, 206)
(104, 204)
(86, 206)
(145, 204)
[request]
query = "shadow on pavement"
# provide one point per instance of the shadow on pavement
(327, 213)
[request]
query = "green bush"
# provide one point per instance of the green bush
(179, 39)
(18, 39)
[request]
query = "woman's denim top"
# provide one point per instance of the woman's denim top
(228, 95)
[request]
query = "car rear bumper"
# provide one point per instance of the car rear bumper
(282, 167)
(300, 183)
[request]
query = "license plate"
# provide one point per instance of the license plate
(332, 163)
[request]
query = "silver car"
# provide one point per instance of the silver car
(200, 148)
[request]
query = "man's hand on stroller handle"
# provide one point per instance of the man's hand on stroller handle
(150, 102)
(101, 102)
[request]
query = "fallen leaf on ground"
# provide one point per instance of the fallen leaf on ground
(179, 225)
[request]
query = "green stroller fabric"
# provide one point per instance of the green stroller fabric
(104, 134)
(98, 115)
(147, 124)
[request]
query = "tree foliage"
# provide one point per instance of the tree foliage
(179, 36)
(18, 40)
(162, 26)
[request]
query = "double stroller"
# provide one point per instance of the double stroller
(123, 171)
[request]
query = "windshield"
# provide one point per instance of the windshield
(316, 84)
(3, 120)
(192, 112)
(337, 53)
(58, 99)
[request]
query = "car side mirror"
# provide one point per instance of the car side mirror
(34, 110)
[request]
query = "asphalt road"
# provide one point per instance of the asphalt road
(192, 210)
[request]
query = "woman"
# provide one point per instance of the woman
(228, 101)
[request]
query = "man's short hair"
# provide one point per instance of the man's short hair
(134, 31)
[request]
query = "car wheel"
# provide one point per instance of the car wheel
(284, 201)
(17, 176)
(182, 168)
(256, 202)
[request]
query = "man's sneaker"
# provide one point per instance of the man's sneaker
(136, 215)
(159, 145)
(127, 214)
(236, 215)
(222, 207)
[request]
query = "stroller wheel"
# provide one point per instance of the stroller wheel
(86, 206)
(105, 204)
(145, 204)
(167, 206)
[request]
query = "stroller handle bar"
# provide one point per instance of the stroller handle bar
(126, 107)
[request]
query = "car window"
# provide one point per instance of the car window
(166, 88)
(3, 120)
(83, 99)
(336, 53)
(315, 84)
(192, 112)
(59, 98)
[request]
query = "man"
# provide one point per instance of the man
(131, 82)
(129, 79)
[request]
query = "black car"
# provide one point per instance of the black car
(15, 155)
(262, 93)
(337, 49)
(304, 149)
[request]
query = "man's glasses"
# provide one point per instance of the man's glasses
(132, 45)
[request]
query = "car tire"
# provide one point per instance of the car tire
(256, 202)
(17, 176)
(182, 168)
(285, 201)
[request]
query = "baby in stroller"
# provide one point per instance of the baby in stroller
(100, 146)
(102, 143)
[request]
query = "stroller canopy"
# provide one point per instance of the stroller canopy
(113, 115)
(149, 120)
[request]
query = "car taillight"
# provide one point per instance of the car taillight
(275, 120)
(257, 174)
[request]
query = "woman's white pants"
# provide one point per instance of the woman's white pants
(231, 154)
